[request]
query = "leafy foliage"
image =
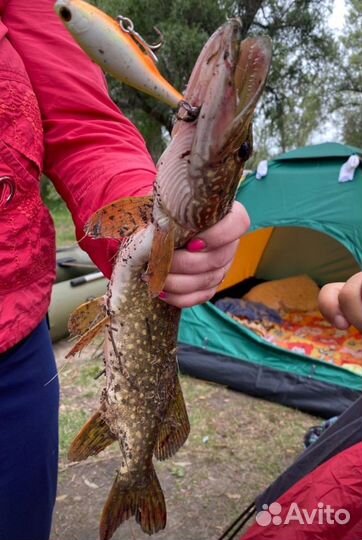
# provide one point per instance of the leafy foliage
(349, 85)
(304, 53)
(185, 27)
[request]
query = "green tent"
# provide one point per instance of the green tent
(303, 221)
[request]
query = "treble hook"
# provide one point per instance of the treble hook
(127, 26)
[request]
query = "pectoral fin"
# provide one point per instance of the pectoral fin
(94, 437)
(88, 337)
(86, 315)
(161, 258)
(121, 218)
(175, 428)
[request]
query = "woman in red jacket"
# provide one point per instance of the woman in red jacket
(56, 117)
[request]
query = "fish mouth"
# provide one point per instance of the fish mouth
(251, 73)
(227, 82)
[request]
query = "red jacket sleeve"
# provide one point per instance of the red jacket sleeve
(93, 153)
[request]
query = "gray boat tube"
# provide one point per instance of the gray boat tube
(72, 262)
(78, 281)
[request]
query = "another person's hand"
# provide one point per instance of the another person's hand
(198, 269)
(341, 303)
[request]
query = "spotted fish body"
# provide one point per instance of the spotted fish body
(142, 404)
(141, 365)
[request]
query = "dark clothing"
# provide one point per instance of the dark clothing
(29, 400)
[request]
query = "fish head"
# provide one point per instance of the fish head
(205, 164)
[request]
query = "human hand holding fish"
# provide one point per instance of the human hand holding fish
(198, 269)
(142, 405)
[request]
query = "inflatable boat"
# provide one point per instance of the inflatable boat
(77, 281)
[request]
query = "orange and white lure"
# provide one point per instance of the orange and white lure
(117, 49)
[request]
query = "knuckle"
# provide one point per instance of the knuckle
(218, 260)
(194, 300)
(243, 217)
(211, 293)
(176, 301)
(213, 278)
(207, 295)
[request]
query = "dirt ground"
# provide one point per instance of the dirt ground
(237, 446)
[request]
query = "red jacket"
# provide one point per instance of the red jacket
(324, 505)
(55, 116)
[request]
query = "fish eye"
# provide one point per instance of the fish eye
(65, 14)
(244, 151)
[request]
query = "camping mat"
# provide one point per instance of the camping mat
(310, 334)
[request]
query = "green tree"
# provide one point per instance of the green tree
(298, 86)
(349, 80)
(303, 53)
(185, 27)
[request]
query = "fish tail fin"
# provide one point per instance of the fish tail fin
(175, 428)
(94, 437)
(146, 504)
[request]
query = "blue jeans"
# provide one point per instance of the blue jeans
(29, 406)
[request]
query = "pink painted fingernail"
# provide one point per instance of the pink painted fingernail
(162, 295)
(196, 245)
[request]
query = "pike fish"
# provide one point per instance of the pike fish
(129, 59)
(142, 405)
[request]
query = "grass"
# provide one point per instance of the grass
(70, 423)
(63, 223)
(80, 396)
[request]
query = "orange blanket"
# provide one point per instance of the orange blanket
(308, 333)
